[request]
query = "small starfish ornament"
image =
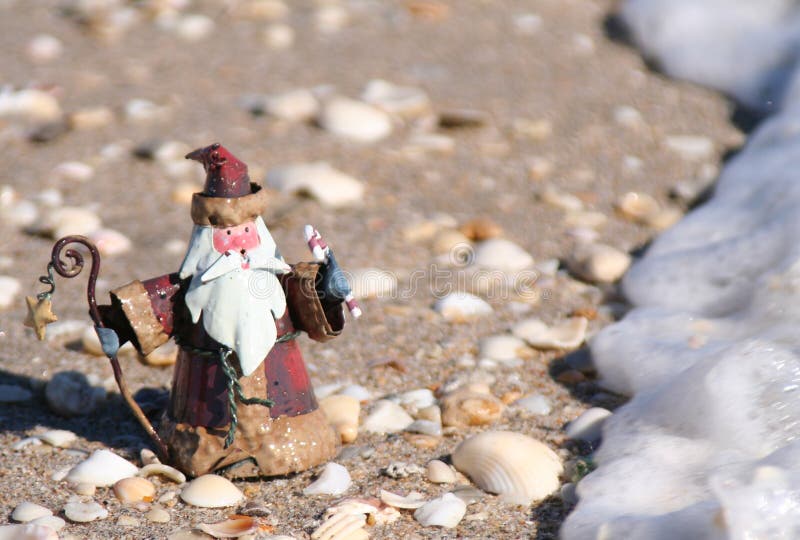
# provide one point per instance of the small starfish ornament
(40, 314)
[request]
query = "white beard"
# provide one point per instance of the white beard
(239, 308)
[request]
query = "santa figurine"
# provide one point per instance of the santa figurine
(241, 401)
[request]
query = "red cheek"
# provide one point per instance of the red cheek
(241, 237)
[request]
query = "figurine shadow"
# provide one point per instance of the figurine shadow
(110, 424)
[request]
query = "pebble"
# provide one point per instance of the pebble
(331, 18)
(10, 393)
(439, 472)
(73, 171)
(527, 24)
(50, 197)
(211, 491)
(29, 104)
(334, 480)
(143, 110)
(19, 214)
(691, 147)
(127, 521)
(637, 207)
(9, 289)
(425, 427)
(354, 120)
(157, 515)
(403, 101)
(102, 468)
(502, 347)
(539, 167)
(278, 36)
(372, 283)
(60, 438)
(295, 106)
(194, 27)
(420, 398)
(424, 143)
(386, 417)
(462, 306)
(465, 407)
(69, 393)
(357, 391)
(79, 512)
(44, 48)
(535, 404)
(401, 469)
(589, 425)
(598, 263)
(110, 242)
(85, 488)
(319, 180)
(583, 218)
(342, 412)
(665, 218)
(134, 490)
(27, 511)
(559, 199)
(28, 531)
(67, 220)
(628, 117)
(91, 118)
(445, 511)
(518, 467)
(501, 254)
(457, 246)
(566, 334)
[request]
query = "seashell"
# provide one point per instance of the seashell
(432, 413)
(502, 348)
(404, 101)
(148, 457)
(420, 440)
(164, 470)
(84, 488)
(102, 468)
(425, 427)
(357, 391)
(27, 511)
(194, 27)
(413, 500)
(372, 283)
(84, 512)
(342, 413)
(342, 527)
(134, 489)
(319, 180)
(462, 306)
(60, 438)
(233, 527)
(589, 425)
(465, 407)
(354, 120)
(559, 199)
(28, 531)
(501, 254)
(566, 334)
(334, 480)
(637, 207)
(519, 468)
(598, 263)
(691, 147)
(294, 106)
(446, 511)
(211, 491)
(386, 417)
(534, 404)
(158, 515)
(439, 472)
(417, 399)
(401, 469)
(54, 522)
(376, 511)
(44, 48)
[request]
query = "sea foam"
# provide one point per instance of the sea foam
(709, 445)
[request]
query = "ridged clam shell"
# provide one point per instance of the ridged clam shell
(211, 491)
(233, 527)
(102, 468)
(164, 470)
(446, 511)
(342, 412)
(342, 526)
(133, 490)
(510, 464)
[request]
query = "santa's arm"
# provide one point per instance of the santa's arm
(312, 308)
(143, 312)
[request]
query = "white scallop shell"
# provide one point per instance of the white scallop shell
(516, 466)
(211, 491)
(342, 526)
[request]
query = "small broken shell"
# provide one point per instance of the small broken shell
(566, 334)
(233, 527)
(376, 511)
(446, 511)
(413, 500)
(342, 412)
(516, 466)
(164, 470)
(134, 490)
(465, 407)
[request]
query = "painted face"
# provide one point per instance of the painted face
(239, 238)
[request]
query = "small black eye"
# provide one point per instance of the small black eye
(229, 232)
(247, 229)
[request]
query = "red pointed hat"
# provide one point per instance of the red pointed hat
(229, 198)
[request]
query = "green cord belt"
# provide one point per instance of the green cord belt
(234, 386)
